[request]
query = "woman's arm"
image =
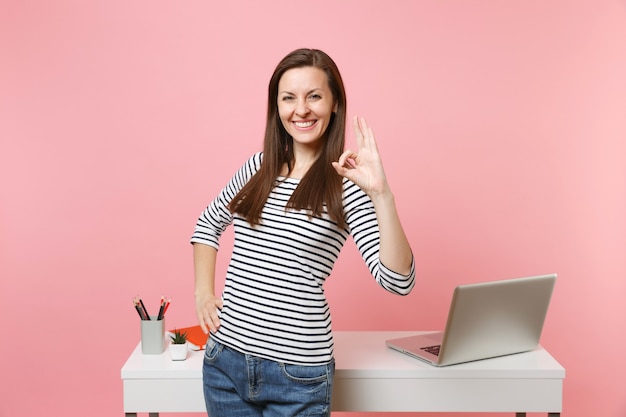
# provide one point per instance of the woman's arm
(207, 304)
(209, 227)
(365, 169)
(395, 251)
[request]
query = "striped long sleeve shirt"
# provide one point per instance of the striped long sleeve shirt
(273, 301)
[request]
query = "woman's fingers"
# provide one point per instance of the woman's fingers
(359, 131)
(348, 159)
(208, 315)
(364, 134)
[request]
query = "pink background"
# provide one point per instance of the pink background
(502, 125)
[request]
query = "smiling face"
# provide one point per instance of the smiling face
(305, 105)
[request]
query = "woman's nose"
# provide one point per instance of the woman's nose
(302, 108)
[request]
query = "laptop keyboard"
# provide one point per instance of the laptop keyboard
(434, 350)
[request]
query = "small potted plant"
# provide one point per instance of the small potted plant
(178, 345)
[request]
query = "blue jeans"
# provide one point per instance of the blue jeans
(239, 385)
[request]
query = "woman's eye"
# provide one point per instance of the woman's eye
(287, 98)
(315, 97)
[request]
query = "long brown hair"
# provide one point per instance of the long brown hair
(321, 185)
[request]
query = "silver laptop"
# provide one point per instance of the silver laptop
(486, 320)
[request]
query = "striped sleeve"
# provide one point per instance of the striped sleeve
(217, 217)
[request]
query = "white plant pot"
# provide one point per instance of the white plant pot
(178, 352)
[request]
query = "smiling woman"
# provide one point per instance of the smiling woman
(293, 207)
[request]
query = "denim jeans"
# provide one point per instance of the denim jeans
(239, 385)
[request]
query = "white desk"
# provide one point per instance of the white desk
(371, 377)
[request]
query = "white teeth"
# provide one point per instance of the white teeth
(304, 124)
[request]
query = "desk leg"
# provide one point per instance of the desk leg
(135, 414)
(549, 414)
(520, 414)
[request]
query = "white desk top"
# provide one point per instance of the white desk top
(371, 377)
(365, 355)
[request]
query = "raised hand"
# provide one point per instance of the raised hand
(364, 167)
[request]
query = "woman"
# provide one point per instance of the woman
(293, 206)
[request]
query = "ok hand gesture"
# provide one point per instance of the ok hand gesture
(364, 167)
